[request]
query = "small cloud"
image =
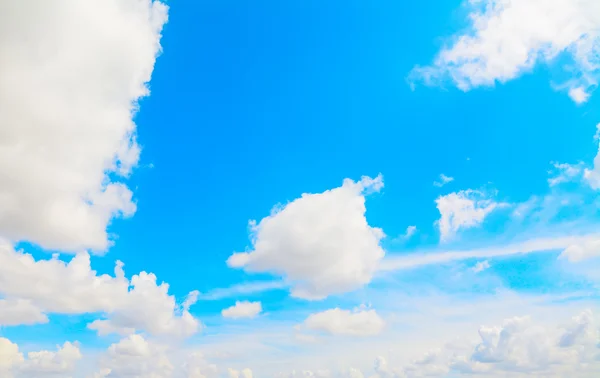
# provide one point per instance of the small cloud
(481, 266)
(410, 231)
(242, 309)
(579, 95)
(463, 210)
(443, 180)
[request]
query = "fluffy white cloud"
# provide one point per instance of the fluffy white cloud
(360, 322)
(45, 362)
(443, 180)
(462, 210)
(519, 347)
(584, 250)
(135, 357)
(20, 312)
(54, 286)
(196, 366)
(10, 356)
(61, 362)
(71, 73)
(243, 309)
(509, 37)
(320, 243)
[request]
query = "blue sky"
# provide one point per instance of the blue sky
(299, 189)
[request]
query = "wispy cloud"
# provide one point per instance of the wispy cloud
(414, 260)
(443, 180)
(242, 289)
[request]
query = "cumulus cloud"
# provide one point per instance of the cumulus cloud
(320, 243)
(61, 362)
(518, 347)
(55, 286)
(462, 210)
(243, 309)
(20, 312)
(443, 180)
(359, 322)
(71, 74)
(134, 356)
(196, 366)
(507, 38)
(10, 357)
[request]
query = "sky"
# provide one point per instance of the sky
(299, 189)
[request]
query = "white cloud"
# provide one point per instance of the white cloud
(508, 38)
(61, 362)
(579, 95)
(242, 289)
(410, 231)
(243, 309)
(196, 366)
(443, 180)
(344, 322)
(149, 307)
(10, 356)
(54, 286)
(518, 347)
(413, 260)
(564, 173)
(135, 357)
(71, 73)
(320, 243)
(481, 266)
(584, 250)
(462, 210)
(20, 312)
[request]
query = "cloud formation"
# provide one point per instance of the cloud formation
(321, 244)
(243, 309)
(360, 322)
(462, 210)
(70, 78)
(507, 38)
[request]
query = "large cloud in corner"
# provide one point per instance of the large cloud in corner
(320, 243)
(70, 76)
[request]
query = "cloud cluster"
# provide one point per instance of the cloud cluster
(61, 362)
(33, 288)
(518, 347)
(320, 243)
(507, 38)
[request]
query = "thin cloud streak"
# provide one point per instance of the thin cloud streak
(242, 289)
(418, 259)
